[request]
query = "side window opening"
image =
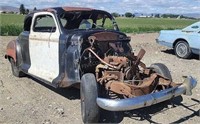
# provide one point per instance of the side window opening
(195, 27)
(63, 21)
(44, 23)
(86, 24)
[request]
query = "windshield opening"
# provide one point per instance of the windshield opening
(87, 20)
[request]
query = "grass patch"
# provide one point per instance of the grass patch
(9, 19)
(11, 24)
(10, 30)
(144, 25)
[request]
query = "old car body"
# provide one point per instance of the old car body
(33, 54)
(184, 42)
(65, 46)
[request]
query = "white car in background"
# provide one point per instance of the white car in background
(184, 42)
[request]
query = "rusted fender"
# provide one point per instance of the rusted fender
(11, 50)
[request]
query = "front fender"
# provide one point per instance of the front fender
(11, 50)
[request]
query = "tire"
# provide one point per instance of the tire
(89, 94)
(15, 70)
(182, 50)
(162, 70)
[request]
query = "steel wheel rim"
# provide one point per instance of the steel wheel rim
(181, 50)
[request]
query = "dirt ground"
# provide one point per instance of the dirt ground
(27, 100)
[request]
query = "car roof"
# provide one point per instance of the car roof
(66, 9)
(62, 9)
(77, 9)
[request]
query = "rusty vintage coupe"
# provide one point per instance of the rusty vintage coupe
(65, 46)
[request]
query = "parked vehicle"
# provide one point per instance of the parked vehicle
(184, 42)
(66, 46)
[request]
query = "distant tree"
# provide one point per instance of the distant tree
(181, 16)
(27, 11)
(11, 12)
(3, 12)
(34, 9)
(157, 15)
(164, 15)
(128, 14)
(22, 9)
(170, 16)
(133, 15)
(115, 14)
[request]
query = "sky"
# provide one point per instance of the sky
(120, 6)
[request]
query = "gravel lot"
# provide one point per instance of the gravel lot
(27, 100)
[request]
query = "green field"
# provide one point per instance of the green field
(9, 19)
(11, 24)
(141, 25)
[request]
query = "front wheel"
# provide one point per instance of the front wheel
(182, 50)
(89, 94)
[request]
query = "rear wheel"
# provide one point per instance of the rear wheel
(182, 50)
(162, 70)
(15, 70)
(89, 94)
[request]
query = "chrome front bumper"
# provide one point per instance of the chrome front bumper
(149, 99)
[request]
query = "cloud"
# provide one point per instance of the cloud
(97, 1)
(121, 6)
(161, 6)
(30, 3)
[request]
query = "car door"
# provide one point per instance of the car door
(194, 40)
(44, 46)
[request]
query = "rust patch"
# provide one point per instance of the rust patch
(116, 74)
(119, 87)
(11, 50)
(65, 81)
(109, 36)
(124, 76)
(106, 36)
(139, 56)
(115, 60)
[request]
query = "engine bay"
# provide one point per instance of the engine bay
(121, 73)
